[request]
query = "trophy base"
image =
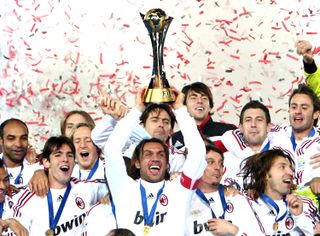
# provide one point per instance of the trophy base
(159, 95)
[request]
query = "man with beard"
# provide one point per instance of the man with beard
(157, 120)
(269, 175)
(156, 206)
(212, 211)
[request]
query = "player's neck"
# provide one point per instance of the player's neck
(54, 184)
(11, 164)
(273, 195)
(208, 188)
(302, 134)
(256, 148)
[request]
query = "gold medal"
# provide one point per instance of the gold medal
(49, 232)
(275, 226)
(146, 230)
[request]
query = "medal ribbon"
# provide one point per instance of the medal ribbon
(1, 209)
(266, 147)
(293, 140)
(222, 198)
(148, 218)
(269, 201)
(92, 171)
(53, 220)
(16, 181)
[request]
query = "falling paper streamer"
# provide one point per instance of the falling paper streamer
(55, 55)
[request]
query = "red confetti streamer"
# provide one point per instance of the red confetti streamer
(292, 57)
(285, 27)
(236, 98)
(246, 89)
(255, 82)
(222, 105)
(311, 33)
(234, 56)
(101, 58)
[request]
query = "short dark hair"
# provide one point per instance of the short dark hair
(133, 171)
(157, 107)
(306, 90)
(213, 148)
(255, 168)
(121, 232)
(254, 104)
(85, 115)
(198, 87)
(55, 143)
(1, 164)
(12, 120)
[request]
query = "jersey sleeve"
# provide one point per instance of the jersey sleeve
(304, 223)
(102, 131)
(195, 163)
(250, 218)
(104, 128)
(312, 73)
(115, 167)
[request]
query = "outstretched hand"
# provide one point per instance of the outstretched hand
(304, 48)
(179, 98)
(139, 103)
(295, 204)
(111, 106)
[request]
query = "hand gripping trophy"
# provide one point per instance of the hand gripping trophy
(157, 24)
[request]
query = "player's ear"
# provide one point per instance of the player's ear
(137, 164)
(46, 163)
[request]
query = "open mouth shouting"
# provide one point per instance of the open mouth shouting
(155, 168)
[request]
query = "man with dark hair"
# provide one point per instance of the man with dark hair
(251, 137)
(14, 140)
(157, 121)
(199, 101)
(301, 138)
(63, 209)
(212, 211)
(156, 206)
(269, 175)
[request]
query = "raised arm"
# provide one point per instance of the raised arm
(312, 73)
(113, 111)
(115, 166)
(195, 163)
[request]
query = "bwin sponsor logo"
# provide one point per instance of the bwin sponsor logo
(198, 227)
(69, 225)
(158, 218)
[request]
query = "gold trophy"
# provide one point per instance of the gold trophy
(157, 24)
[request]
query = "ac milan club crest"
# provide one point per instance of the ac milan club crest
(80, 203)
(289, 223)
(230, 207)
(163, 200)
